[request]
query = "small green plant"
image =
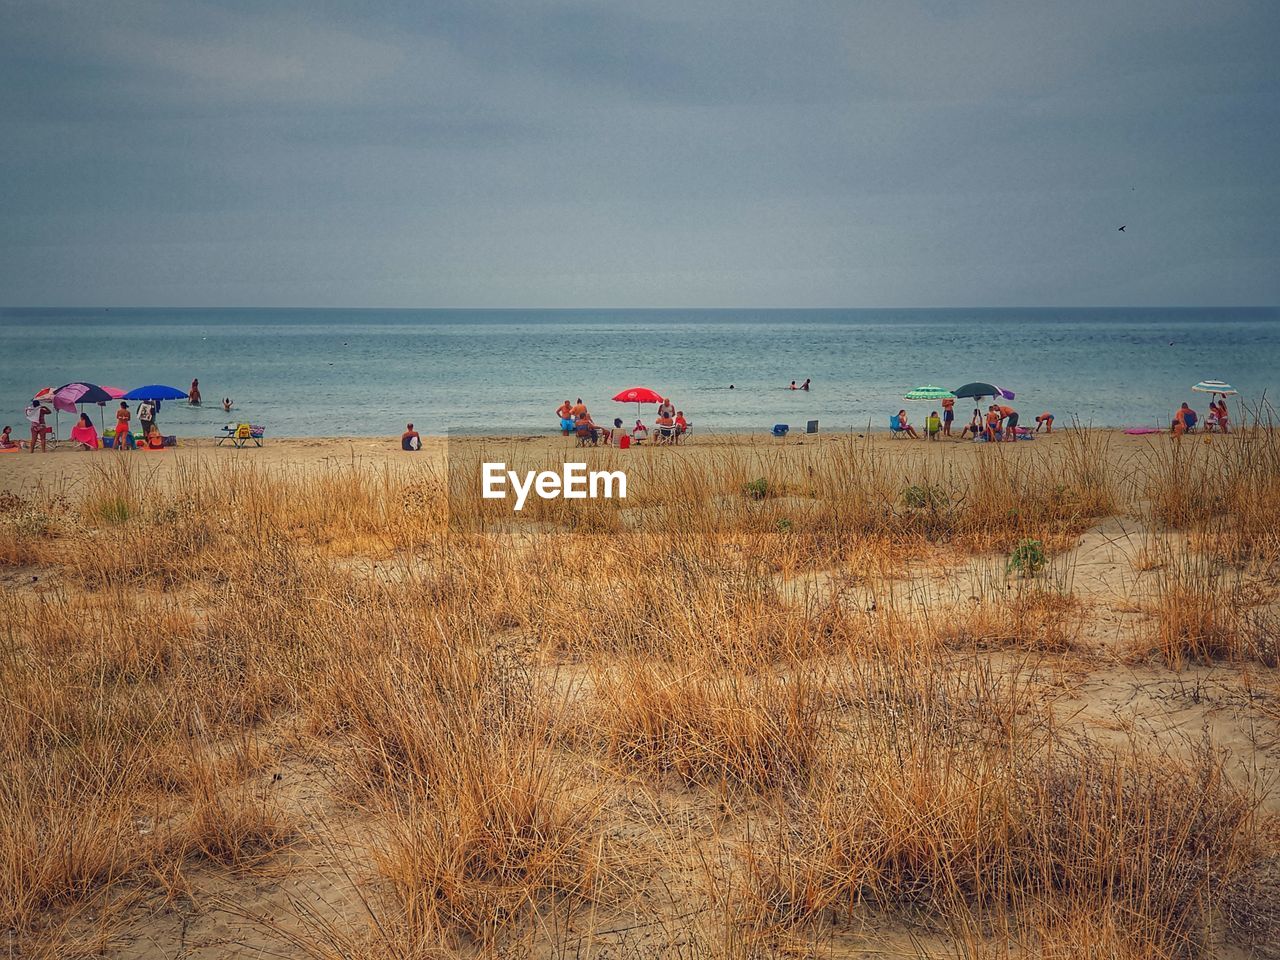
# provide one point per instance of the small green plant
(113, 510)
(921, 497)
(1028, 558)
(756, 489)
(785, 525)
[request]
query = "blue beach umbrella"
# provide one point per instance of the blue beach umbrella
(155, 391)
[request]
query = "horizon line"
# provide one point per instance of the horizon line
(1051, 306)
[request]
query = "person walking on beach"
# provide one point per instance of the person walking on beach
(193, 395)
(122, 427)
(948, 415)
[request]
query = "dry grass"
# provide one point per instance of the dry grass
(730, 720)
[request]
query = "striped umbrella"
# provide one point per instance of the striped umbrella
(929, 393)
(1215, 386)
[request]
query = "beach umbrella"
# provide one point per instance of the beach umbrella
(155, 391)
(78, 393)
(978, 389)
(929, 393)
(638, 395)
(1215, 386)
(116, 392)
(81, 392)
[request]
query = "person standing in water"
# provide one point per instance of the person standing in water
(193, 395)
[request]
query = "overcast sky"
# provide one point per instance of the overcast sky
(670, 153)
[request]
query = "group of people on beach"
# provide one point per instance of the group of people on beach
(1185, 419)
(668, 426)
(999, 423)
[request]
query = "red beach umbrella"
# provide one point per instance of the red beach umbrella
(638, 395)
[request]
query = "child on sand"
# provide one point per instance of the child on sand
(1045, 420)
(6, 439)
(933, 425)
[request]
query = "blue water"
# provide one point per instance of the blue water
(309, 372)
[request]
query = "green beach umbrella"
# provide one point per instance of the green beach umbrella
(929, 393)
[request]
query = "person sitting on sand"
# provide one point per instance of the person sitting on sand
(565, 413)
(906, 427)
(933, 426)
(639, 432)
(1045, 420)
(974, 426)
(410, 439)
(84, 434)
(6, 439)
(1009, 420)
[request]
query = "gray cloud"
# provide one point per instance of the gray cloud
(470, 152)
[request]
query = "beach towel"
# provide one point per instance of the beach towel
(85, 435)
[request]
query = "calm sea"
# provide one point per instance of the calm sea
(310, 372)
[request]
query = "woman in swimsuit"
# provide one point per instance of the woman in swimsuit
(122, 427)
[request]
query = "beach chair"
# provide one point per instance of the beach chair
(811, 426)
(780, 429)
(588, 435)
(666, 433)
(895, 427)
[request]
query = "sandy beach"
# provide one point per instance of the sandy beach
(68, 467)
(343, 687)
